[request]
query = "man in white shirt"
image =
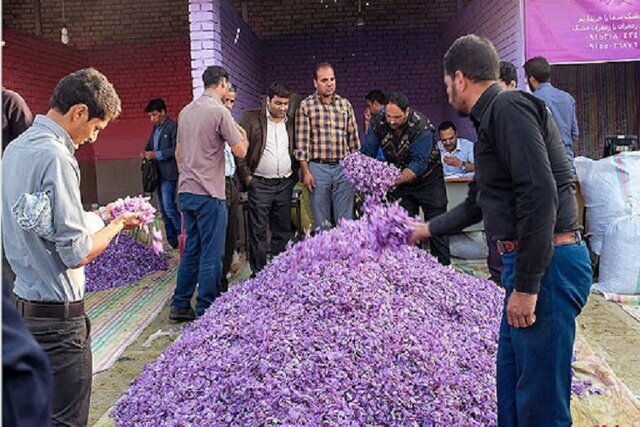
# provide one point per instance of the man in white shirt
(456, 153)
(269, 172)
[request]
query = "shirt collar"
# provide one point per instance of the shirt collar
(334, 98)
(543, 85)
(271, 118)
(53, 127)
(213, 97)
(483, 102)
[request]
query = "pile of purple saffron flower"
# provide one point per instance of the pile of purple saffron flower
(369, 176)
(146, 211)
(350, 327)
(124, 261)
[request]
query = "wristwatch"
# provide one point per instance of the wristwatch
(104, 214)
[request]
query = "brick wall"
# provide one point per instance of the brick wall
(408, 62)
(497, 20)
(105, 22)
(32, 66)
(274, 18)
(215, 40)
(242, 57)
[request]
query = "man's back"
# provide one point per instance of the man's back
(563, 110)
(203, 127)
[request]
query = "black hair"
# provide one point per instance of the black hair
(447, 125)
(322, 65)
(156, 104)
(233, 88)
(399, 99)
(278, 89)
(214, 75)
(89, 87)
(474, 56)
(538, 68)
(377, 95)
(508, 72)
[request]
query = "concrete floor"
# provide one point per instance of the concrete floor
(609, 331)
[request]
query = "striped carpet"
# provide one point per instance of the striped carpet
(118, 316)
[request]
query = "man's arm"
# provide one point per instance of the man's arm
(170, 151)
(352, 131)
(242, 167)
(302, 146)
(521, 147)
(235, 135)
(419, 155)
(575, 133)
(371, 143)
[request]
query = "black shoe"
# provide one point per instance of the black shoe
(181, 314)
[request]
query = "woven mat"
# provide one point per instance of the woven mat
(118, 316)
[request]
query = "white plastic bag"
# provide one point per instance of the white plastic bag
(620, 257)
(611, 190)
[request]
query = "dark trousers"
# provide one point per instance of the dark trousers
(534, 364)
(67, 343)
(269, 206)
(429, 194)
(205, 220)
(232, 230)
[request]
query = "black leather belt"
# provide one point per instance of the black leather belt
(326, 162)
(559, 239)
(50, 310)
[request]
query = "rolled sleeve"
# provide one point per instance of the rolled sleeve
(71, 237)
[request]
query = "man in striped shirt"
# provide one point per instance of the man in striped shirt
(326, 132)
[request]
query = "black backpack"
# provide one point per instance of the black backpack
(150, 176)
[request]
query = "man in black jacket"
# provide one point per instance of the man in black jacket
(269, 172)
(161, 148)
(524, 190)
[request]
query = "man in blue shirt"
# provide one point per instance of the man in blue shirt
(562, 105)
(406, 139)
(456, 153)
(161, 148)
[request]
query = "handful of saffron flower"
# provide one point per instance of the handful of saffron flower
(369, 176)
(146, 212)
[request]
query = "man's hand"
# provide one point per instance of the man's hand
(308, 180)
(150, 155)
(247, 181)
(521, 309)
(128, 220)
(367, 114)
(242, 131)
(421, 232)
(452, 161)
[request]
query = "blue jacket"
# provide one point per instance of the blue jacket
(166, 152)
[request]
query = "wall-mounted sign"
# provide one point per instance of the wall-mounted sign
(577, 31)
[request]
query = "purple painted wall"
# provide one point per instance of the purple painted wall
(363, 60)
(215, 40)
(500, 22)
(242, 57)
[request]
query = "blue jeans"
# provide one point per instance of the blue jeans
(166, 194)
(333, 189)
(534, 364)
(206, 223)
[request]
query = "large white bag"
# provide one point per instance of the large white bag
(620, 257)
(611, 190)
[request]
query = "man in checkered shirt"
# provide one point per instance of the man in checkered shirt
(326, 132)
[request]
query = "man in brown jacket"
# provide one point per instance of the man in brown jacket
(269, 173)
